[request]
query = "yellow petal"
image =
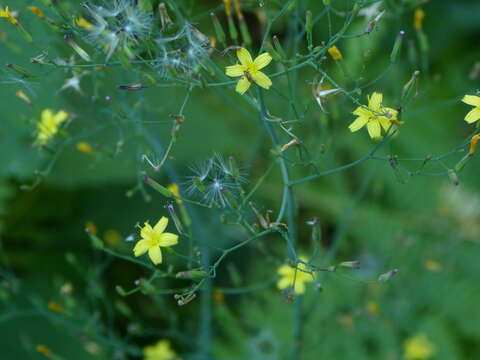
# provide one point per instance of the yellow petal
(262, 80)
(392, 112)
(363, 111)
(471, 100)
(473, 115)
(243, 85)
(299, 287)
(262, 60)
(358, 123)
(374, 129)
(244, 57)
(155, 255)
(47, 114)
(235, 70)
(161, 225)
(146, 231)
(385, 122)
(284, 283)
(285, 270)
(141, 247)
(375, 101)
(60, 117)
(168, 239)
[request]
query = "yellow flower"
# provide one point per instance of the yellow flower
(474, 114)
(375, 116)
(84, 147)
(418, 348)
(160, 351)
(91, 228)
(175, 190)
(54, 306)
(81, 22)
(36, 11)
(296, 277)
(5, 13)
(249, 70)
(432, 265)
(373, 308)
(49, 124)
(418, 16)
(335, 53)
(44, 350)
(153, 239)
(112, 237)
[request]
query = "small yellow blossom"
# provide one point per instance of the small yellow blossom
(36, 11)
(54, 306)
(373, 308)
(112, 237)
(49, 125)
(5, 13)
(160, 351)
(91, 228)
(433, 266)
(296, 277)
(153, 239)
(81, 22)
(218, 297)
(346, 321)
(175, 190)
(375, 116)
(418, 348)
(474, 114)
(335, 53)
(249, 70)
(42, 349)
(84, 147)
(418, 17)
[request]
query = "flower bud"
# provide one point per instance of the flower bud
(387, 276)
(192, 274)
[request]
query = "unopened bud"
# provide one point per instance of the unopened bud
(192, 274)
(473, 144)
(387, 276)
(164, 17)
(293, 142)
(20, 70)
(156, 186)
(397, 46)
(218, 29)
(350, 264)
(132, 87)
(278, 47)
(82, 53)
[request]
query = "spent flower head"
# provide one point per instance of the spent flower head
(474, 114)
(153, 239)
(214, 181)
(249, 70)
(375, 116)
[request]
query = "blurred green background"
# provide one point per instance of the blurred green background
(58, 291)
